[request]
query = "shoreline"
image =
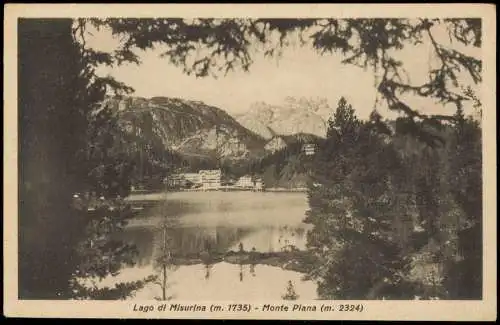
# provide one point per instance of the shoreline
(295, 260)
(144, 194)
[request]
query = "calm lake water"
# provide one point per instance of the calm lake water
(194, 222)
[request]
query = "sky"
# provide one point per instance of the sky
(300, 72)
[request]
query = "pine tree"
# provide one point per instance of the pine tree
(290, 292)
(352, 213)
(55, 97)
(68, 145)
(344, 122)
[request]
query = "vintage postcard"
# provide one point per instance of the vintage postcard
(329, 162)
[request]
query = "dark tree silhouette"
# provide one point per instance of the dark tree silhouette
(52, 124)
(67, 145)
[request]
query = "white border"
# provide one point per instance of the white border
(373, 310)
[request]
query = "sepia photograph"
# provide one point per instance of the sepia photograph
(239, 164)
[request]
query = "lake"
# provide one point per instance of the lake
(190, 223)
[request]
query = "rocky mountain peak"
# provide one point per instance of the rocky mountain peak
(295, 115)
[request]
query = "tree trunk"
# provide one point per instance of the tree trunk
(47, 84)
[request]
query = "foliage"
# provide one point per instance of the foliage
(286, 167)
(465, 272)
(55, 98)
(120, 291)
(345, 124)
(352, 211)
(100, 255)
(213, 46)
(389, 210)
(69, 144)
(110, 166)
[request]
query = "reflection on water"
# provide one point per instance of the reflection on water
(213, 223)
(239, 209)
(191, 241)
(226, 281)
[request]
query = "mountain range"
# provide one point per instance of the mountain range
(193, 128)
(201, 136)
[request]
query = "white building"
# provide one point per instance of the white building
(174, 180)
(211, 179)
(309, 149)
(182, 180)
(245, 181)
(250, 182)
(194, 178)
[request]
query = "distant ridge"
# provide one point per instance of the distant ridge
(294, 116)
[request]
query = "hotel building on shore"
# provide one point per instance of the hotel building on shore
(194, 178)
(211, 179)
(252, 182)
(245, 181)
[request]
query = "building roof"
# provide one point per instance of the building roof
(210, 171)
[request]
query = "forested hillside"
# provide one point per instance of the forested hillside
(395, 216)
